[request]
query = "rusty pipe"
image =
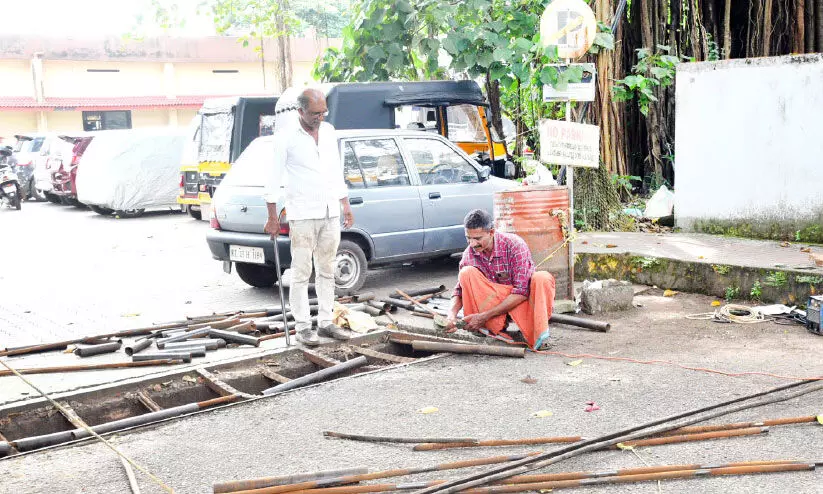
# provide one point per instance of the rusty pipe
(436, 346)
(221, 324)
(244, 327)
(580, 322)
(363, 297)
(142, 357)
(685, 438)
(391, 439)
(88, 351)
(741, 425)
(230, 337)
(429, 446)
(75, 368)
(183, 336)
(239, 485)
(277, 335)
(420, 292)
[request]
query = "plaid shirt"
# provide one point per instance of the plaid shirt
(510, 263)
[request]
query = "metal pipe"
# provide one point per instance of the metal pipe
(416, 303)
(398, 303)
(385, 306)
(474, 443)
(280, 288)
(741, 425)
(142, 357)
(357, 307)
(244, 327)
(37, 442)
(237, 485)
(372, 311)
(192, 351)
(436, 346)
(685, 438)
(75, 368)
(318, 376)
(363, 297)
(389, 439)
(420, 292)
(89, 351)
(137, 346)
(5, 448)
(221, 324)
(422, 314)
(580, 322)
(184, 336)
(207, 343)
(278, 335)
(237, 338)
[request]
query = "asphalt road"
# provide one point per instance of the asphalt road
(654, 363)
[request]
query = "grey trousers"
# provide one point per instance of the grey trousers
(316, 240)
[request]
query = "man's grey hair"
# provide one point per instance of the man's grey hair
(306, 97)
(478, 219)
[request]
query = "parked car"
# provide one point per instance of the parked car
(64, 179)
(36, 156)
(409, 191)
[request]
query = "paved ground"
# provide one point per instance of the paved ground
(154, 265)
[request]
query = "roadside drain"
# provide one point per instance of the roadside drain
(37, 424)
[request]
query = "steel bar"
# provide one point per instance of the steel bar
(635, 432)
(317, 376)
(244, 327)
(436, 346)
(580, 322)
(391, 439)
(221, 324)
(85, 367)
(137, 346)
(741, 425)
(420, 292)
(147, 402)
(416, 303)
(184, 336)
(207, 343)
(685, 438)
(323, 484)
(475, 443)
(88, 351)
(280, 289)
(142, 357)
(5, 449)
(237, 485)
(277, 335)
(363, 297)
(385, 306)
(236, 338)
(135, 488)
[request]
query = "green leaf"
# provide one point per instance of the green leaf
(549, 75)
(574, 73)
(245, 43)
(633, 81)
(669, 60)
(502, 54)
(450, 46)
(497, 26)
(523, 44)
(660, 72)
(485, 59)
(376, 52)
(404, 6)
(664, 48)
(604, 40)
(497, 72)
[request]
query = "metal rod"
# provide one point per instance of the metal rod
(398, 303)
(244, 327)
(385, 306)
(137, 346)
(237, 485)
(363, 297)
(580, 322)
(183, 336)
(741, 425)
(420, 292)
(207, 343)
(318, 376)
(436, 346)
(390, 439)
(237, 338)
(372, 311)
(280, 286)
(685, 438)
(277, 335)
(85, 367)
(635, 432)
(416, 303)
(221, 324)
(474, 443)
(142, 357)
(88, 351)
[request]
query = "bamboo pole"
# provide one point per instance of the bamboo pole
(431, 445)
(76, 368)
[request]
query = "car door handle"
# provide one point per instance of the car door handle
(434, 195)
(355, 200)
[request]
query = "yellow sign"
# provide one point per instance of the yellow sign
(570, 26)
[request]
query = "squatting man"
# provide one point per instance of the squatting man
(307, 160)
(497, 280)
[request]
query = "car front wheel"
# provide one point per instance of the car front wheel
(256, 275)
(351, 267)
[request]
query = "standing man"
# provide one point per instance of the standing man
(307, 163)
(497, 278)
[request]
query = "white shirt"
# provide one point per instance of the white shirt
(311, 171)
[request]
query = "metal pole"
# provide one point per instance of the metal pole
(280, 288)
(570, 185)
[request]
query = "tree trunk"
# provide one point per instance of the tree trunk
(799, 31)
(818, 31)
(767, 27)
(727, 30)
(808, 17)
(493, 92)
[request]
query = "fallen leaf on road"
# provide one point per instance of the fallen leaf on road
(574, 363)
(592, 406)
(623, 447)
(669, 293)
(585, 242)
(429, 410)
(136, 314)
(610, 246)
(785, 244)
(805, 249)
(528, 380)
(700, 257)
(542, 413)
(69, 349)
(716, 303)
(820, 419)
(189, 379)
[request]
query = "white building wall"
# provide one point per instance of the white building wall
(749, 143)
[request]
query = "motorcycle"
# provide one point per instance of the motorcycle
(10, 190)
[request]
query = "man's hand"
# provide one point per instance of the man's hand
(475, 322)
(452, 323)
(272, 228)
(348, 216)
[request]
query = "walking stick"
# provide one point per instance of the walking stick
(280, 287)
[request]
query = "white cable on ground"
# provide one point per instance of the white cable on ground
(725, 314)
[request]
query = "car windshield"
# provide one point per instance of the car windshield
(215, 136)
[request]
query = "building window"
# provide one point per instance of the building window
(106, 120)
(225, 71)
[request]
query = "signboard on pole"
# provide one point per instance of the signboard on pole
(570, 26)
(570, 144)
(575, 91)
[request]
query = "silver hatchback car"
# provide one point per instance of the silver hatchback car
(409, 191)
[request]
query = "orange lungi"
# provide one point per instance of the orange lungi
(532, 316)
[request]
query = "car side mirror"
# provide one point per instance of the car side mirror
(485, 172)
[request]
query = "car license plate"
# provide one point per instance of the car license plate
(8, 189)
(239, 253)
